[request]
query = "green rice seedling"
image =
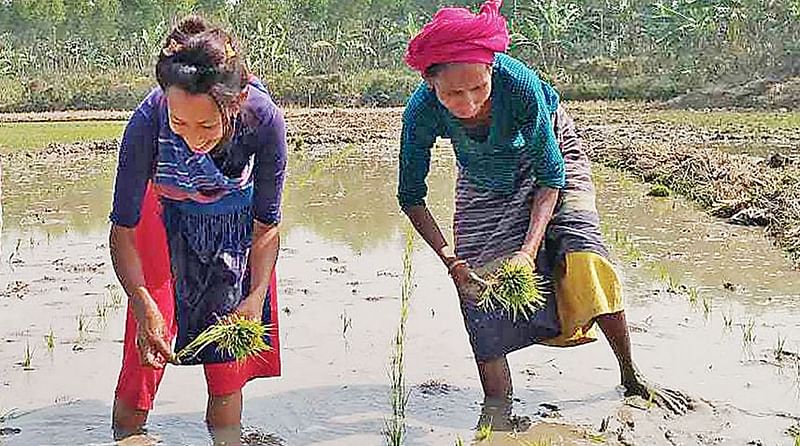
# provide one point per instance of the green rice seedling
(83, 324)
(707, 307)
(665, 277)
(459, 441)
(27, 358)
(660, 191)
(693, 296)
(672, 284)
(633, 254)
(797, 375)
(727, 321)
(395, 429)
(115, 296)
(233, 335)
(50, 340)
(630, 251)
(749, 335)
(101, 311)
(780, 348)
(517, 289)
(651, 399)
(347, 323)
(797, 440)
(620, 238)
(484, 433)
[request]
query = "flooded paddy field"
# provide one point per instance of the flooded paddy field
(714, 310)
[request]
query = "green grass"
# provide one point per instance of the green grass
(37, 135)
(659, 190)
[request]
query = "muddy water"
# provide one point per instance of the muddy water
(339, 287)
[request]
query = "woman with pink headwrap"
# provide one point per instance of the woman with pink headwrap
(524, 193)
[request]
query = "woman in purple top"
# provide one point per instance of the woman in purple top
(194, 233)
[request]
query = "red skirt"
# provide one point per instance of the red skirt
(137, 384)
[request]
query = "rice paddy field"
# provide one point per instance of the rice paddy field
(374, 348)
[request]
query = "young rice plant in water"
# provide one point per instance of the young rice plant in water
(396, 426)
(234, 335)
(517, 289)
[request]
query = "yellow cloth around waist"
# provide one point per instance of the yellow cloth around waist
(586, 287)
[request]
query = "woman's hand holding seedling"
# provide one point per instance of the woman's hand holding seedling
(252, 307)
(468, 283)
(151, 332)
(522, 258)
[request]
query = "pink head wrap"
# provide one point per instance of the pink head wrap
(455, 35)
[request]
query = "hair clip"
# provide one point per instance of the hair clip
(173, 48)
(229, 51)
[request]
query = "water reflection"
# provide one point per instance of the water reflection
(351, 200)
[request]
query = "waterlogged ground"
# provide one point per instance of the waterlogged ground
(713, 307)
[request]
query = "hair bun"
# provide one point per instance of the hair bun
(191, 25)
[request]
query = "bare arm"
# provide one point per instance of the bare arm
(423, 221)
(543, 205)
(128, 267)
(261, 262)
(263, 256)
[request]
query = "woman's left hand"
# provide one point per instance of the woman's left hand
(252, 307)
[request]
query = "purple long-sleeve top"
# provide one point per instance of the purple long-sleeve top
(259, 141)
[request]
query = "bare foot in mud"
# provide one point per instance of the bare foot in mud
(671, 400)
(497, 413)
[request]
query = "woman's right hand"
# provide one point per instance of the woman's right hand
(151, 337)
(468, 283)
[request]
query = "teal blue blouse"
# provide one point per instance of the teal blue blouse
(522, 106)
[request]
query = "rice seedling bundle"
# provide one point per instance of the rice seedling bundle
(515, 288)
(233, 335)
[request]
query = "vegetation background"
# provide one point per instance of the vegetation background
(98, 54)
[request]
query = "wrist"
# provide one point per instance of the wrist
(456, 264)
(141, 302)
(527, 254)
(447, 256)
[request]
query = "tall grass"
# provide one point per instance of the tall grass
(635, 48)
(395, 429)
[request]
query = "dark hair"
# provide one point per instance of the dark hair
(203, 59)
(435, 69)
